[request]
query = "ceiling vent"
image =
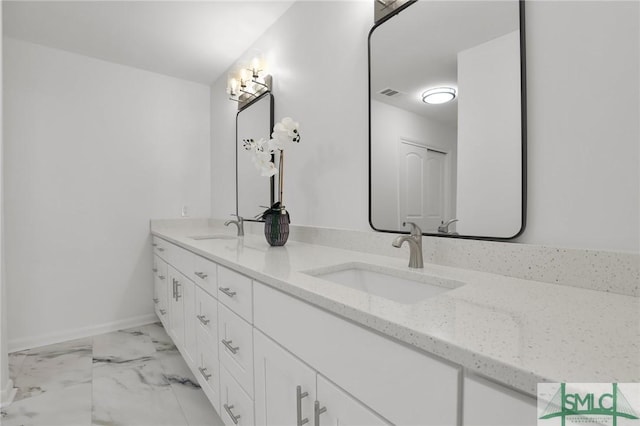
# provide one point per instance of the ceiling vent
(389, 92)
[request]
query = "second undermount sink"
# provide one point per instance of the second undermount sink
(214, 237)
(400, 286)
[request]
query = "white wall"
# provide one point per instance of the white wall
(583, 137)
(93, 150)
(317, 52)
(391, 124)
(6, 384)
(489, 180)
(584, 182)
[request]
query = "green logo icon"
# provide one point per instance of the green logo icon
(564, 404)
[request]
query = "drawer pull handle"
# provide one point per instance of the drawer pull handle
(299, 395)
(154, 245)
(155, 269)
(316, 413)
(173, 281)
(203, 319)
(228, 408)
(156, 300)
(203, 371)
(234, 349)
(162, 277)
(227, 291)
(178, 295)
(163, 312)
(160, 249)
(201, 275)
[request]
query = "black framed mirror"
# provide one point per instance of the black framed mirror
(447, 119)
(254, 193)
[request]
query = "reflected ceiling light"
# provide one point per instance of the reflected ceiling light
(439, 95)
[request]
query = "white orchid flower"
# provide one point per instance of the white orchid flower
(286, 130)
(262, 161)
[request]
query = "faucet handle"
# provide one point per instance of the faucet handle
(444, 226)
(415, 229)
(240, 218)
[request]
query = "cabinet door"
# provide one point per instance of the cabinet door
(190, 338)
(337, 408)
(237, 406)
(159, 286)
(209, 367)
(278, 375)
(482, 399)
(176, 307)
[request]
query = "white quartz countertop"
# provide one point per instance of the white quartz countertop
(514, 331)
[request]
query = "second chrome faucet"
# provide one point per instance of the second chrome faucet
(415, 245)
(239, 223)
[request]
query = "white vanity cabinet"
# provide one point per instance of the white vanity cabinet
(489, 404)
(289, 392)
(264, 357)
(400, 384)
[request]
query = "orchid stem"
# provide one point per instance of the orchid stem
(281, 180)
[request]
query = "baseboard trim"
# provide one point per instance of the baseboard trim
(7, 394)
(48, 339)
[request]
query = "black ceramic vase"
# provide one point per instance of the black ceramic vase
(276, 227)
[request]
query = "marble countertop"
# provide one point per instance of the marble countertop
(515, 331)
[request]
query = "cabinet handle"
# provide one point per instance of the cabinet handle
(178, 295)
(155, 269)
(162, 277)
(227, 291)
(203, 371)
(154, 245)
(234, 349)
(201, 275)
(160, 249)
(163, 312)
(156, 300)
(173, 281)
(299, 395)
(316, 413)
(203, 319)
(228, 408)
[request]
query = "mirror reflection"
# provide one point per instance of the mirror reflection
(254, 193)
(446, 119)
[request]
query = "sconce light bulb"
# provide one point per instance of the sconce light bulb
(233, 84)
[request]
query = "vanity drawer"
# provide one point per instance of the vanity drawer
(160, 247)
(205, 274)
(234, 291)
(236, 347)
(181, 259)
(207, 313)
(398, 382)
(234, 402)
(209, 367)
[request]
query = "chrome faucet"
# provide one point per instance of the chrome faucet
(415, 245)
(444, 227)
(239, 223)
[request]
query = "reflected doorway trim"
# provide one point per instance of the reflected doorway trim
(523, 121)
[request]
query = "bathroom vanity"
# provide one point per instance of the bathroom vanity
(274, 336)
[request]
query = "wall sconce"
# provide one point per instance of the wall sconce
(249, 82)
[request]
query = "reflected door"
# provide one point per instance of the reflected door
(422, 185)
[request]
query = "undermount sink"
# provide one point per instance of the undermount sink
(214, 237)
(400, 286)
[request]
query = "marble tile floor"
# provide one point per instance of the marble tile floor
(133, 377)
